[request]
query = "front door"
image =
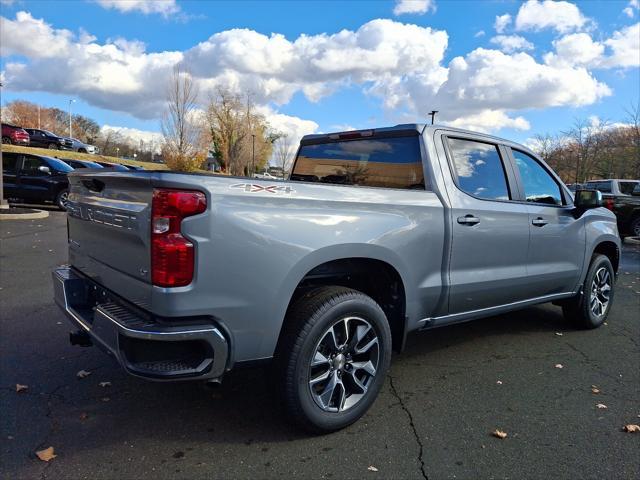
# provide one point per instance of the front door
(489, 231)
(33, 183)
(557, 241)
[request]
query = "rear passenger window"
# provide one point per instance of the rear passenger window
(9, 162)
(539, 186)
(479, 169)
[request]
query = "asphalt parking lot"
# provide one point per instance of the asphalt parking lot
(445, 395)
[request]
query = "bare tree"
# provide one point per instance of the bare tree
(283, 153)
(181, 134)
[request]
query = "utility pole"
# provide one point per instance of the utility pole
(38, 116)
(433, 115)
(3, 202)
(71, 100)
(253, 152)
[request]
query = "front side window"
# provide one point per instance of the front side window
(31, 165)
(392, 162)
(539, 186)
(479, 169)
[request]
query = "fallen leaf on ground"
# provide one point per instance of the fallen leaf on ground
(105, 399)
(83, 374)
(559, 334)
(601, 405)
(84, 416)
(21, 388)
(499, 434)
(595, 389)
(372, 468)
(105, 384)
(558, 365)
(499, 382)
(631, 428)
(46, 454)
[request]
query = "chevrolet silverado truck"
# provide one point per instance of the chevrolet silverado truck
(377, 233)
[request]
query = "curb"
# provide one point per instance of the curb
(28, 216)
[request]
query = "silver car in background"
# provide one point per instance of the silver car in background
(82, 147)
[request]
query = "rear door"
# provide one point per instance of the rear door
(34, 184)
(557, 242)
(489, 232)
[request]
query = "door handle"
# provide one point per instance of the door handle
(539, 222)
(468, 220)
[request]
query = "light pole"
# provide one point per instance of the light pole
(38, 116)
(118, 152)
(3, 202)
(253, 153)
(71, 100)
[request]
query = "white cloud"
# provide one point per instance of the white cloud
(399, 64)
(151, 140)
(622, 50)
(294, 127)
(7, 3)
(575, 49)
(502, 22)
(511, 43)
(163, 7)
(419, 7)
(633, 5)
(480, 33)
(625, 47)
(539, 15)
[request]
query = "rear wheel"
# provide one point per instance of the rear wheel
(82, 150)
(52, 146)
(332, 358)
(634, 228)
(7, 140)
(591, 308)
(62, 199)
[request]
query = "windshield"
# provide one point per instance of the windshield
(58, 165)
(393, 162)
(627, 187)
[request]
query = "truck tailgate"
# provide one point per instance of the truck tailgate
(109, 231)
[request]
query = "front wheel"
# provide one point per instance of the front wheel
(332, 358)
(52, 146)
(591, 308)
(634, 228)
(62, 199)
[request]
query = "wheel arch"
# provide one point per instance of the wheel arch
(374, 271)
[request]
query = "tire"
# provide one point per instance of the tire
(365, 357)
(634, 227)
(53, 146)
(7, 140)
(82, 150)
(62, 198)
(589, 308)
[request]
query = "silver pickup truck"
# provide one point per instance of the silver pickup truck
(376, 234)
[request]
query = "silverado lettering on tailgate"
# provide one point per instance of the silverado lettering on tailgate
(104, 216)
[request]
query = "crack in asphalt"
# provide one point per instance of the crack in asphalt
(395, 393)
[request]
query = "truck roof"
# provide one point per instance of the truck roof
(419, 127)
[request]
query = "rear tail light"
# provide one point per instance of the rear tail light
(172, 255)
(608, 203)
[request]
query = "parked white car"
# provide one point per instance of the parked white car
(82, 147)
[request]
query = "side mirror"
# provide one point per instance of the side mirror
(44, 169)
(587, 199)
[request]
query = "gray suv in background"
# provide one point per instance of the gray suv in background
(377, 233)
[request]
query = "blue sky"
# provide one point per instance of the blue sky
(375, 74)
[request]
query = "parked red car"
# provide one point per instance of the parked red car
(14, 135)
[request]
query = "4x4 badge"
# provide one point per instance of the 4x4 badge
(255, 188)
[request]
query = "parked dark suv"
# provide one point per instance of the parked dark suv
(46, 139)
(35, 179)
(14, 135)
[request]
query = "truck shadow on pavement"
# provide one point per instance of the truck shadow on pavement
(242, 410)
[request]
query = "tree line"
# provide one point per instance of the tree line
(591, 149)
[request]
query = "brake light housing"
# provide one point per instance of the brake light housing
(609, 203)
(172, 254)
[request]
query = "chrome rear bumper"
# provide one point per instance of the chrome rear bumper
(145, 346)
